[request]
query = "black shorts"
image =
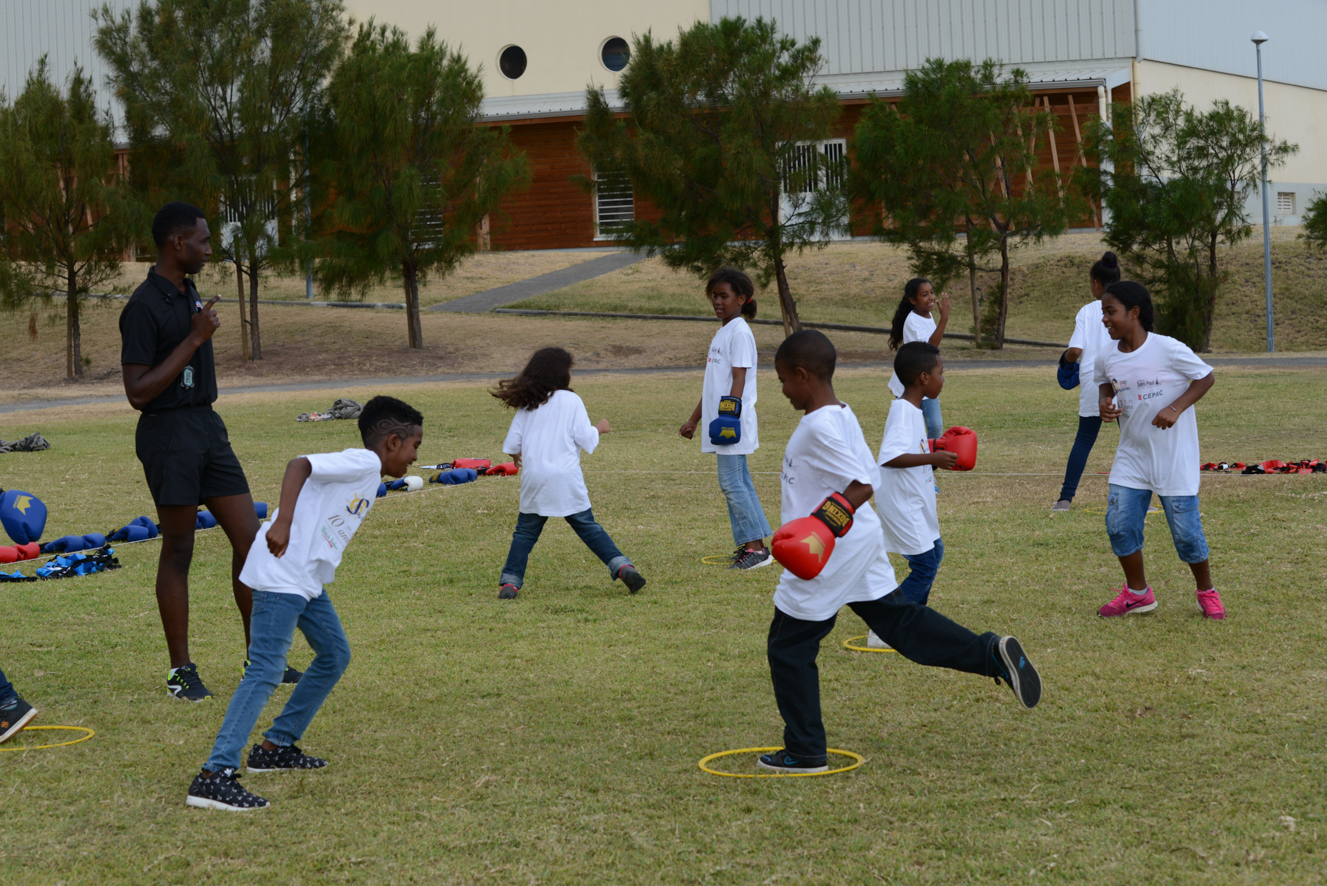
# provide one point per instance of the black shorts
(186, 456)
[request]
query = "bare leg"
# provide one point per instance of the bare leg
(1202, 574)
(1134, 575)
(177, 550)
(237, 519)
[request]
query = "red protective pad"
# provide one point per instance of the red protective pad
(506, 469)
(478, 464)
(29, 551)
(803, 546)
(8, 554)
(962, 442)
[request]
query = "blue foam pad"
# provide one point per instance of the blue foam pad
(23, 516)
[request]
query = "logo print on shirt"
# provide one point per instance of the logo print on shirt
(187, 377)
(358, 505)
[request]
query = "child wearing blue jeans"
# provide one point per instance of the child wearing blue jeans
(324, 500)
(1149, 383)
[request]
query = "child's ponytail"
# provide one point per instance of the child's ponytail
(910, 291)
(1133, 295)
(1107, 270)
(741, 285)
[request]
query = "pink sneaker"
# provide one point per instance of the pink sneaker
(1210, 603)
(1129, 603)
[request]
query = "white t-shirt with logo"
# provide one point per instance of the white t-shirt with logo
(549, 440)
(1147, 380)
(332, 504)
(915, 328)
(733, 347)
(1089, 334)
(825, 454)
(906, 496)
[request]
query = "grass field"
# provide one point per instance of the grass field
(555, 739)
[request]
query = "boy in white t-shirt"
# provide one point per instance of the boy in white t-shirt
(907, 486)
(324, 499)
(827, 457)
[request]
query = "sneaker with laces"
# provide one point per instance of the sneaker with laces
(222, 790)
(1017, 672)
(185, 684)
(1129, 603)
(1062, 505)
(1208, 601)
(281, 759)
(13, 717)
(290, 677)
(631, 578)
(873, 641)
(782, 761)
(507, 592)
(753, 559)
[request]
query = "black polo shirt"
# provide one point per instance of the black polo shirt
(152, 325)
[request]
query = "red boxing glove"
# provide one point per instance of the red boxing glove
(8, 554)
(962, 442)
(29, 551)
(478, 464)
(803, 546)
(506, 469)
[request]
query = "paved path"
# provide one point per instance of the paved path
(1256, 362)
(482, 302)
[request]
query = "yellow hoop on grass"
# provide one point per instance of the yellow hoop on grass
(833, 751)
(848, 644)
(41, 747)
(717, 560)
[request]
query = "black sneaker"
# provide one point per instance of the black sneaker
(631, 578)
(507, 592)
(782, 761)
(1018, 672)
(14, 717)
(185, 684)
(222, 791)
(290, 677)
(289, 757)
(750, 559)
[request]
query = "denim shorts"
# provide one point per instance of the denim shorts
(1126, 509)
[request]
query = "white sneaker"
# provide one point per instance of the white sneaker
(874, 642)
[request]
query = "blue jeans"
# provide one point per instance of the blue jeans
(931, 415)
(745, 513)
(1126, 510)
(271, 630)
(7, 692)
(917, 586)
(1088, 428)
(528, 528)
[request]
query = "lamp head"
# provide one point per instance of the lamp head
(1259, 38)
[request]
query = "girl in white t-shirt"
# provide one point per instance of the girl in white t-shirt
(547, 434)
(1088, 340)
(727, 410)
(913, 322)
(1148, 382)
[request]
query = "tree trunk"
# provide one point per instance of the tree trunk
(73, 337)
(244, 319)
(410, 277)
(1004, 291)
(976, 303)
(789, 307)
(254, 337)
(1209, 298)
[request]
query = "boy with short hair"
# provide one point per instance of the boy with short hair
(324, 499)
(907, 489)
(828, 468)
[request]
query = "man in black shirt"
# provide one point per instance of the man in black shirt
(170, 377)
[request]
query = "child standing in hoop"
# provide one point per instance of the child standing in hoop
(913, 322)
(727, 409)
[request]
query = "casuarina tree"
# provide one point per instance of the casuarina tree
(1315, 221)
(61, 228)
(411, 169)
(950, 171)
(216, 95)
(719, 135)
(1176, 181)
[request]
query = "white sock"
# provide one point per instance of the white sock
(1142, 593)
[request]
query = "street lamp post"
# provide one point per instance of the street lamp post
(1259, 38)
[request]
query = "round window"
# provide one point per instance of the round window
(512, 62)
(615, 54)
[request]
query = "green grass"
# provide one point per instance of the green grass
(555, 740)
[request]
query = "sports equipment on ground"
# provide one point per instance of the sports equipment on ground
(22, 515)
(14, 717)
(1210, 603)
(137, 529)
(29, 551)
(477, 464)
(631, 578)
(454, 476)
(506, 469)
(1128, 603)
(1067, 373)
(396, 484)
(962, 442)
(62, 544)
(1018, 672)
(281, 759)
(803, 546)
(382, 490)
(206, 520)
(782, 761)
(186, 685)
(222, 791)
(414, 484)
(8, 554)
(727, 428)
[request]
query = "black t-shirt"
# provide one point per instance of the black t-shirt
(152, 325)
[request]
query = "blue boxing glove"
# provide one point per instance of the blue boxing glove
(93, 540)
(727, 428)
(64, 544)
(22, 515)
(397, 484)
(382, 489)
(1067, 374)
(260, 508)
(205, 520)
(455, 476)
